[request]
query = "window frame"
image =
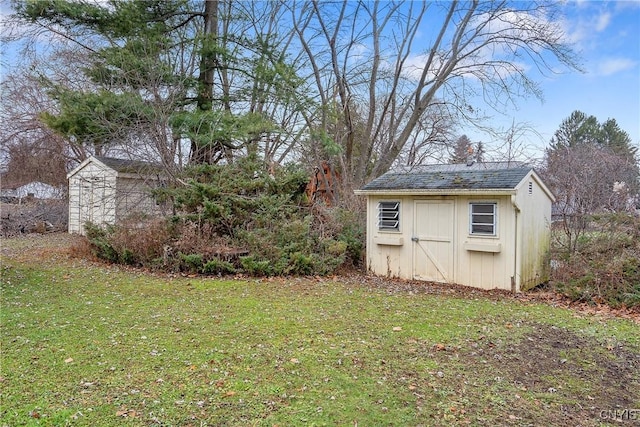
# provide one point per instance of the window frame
(493, 224)
(382, 210)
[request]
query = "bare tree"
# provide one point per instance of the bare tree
(367, 54)
(31, 150)
(428, 143)
(514, 144)
(585, 180)
(359, 82)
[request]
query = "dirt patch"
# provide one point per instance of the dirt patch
(35, 247)
(556, 377)
(392, 286)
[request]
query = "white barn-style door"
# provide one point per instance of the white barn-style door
(432, 240)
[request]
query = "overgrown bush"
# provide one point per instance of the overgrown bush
(100, 242)
(140, 241)
(605, 267)
(239, 218)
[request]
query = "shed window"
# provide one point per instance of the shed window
(389, 216)
(483, 219)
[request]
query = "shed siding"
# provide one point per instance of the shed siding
(92, 192)
(101, 195)
(386, 251)
(133, 196)
(513, 258)
(74, 203)
(475, 262)
(534, 224)
(478, 264)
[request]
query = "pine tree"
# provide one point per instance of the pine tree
(586, 161)
(165, 66)
(461, 150)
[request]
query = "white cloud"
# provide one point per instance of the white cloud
(611, 66)
(624, 6)
(414, 66)
(603, 21)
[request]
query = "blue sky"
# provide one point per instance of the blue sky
(606, 35)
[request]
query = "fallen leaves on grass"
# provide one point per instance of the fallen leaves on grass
(126, 413)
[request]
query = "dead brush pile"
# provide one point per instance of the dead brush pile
(605, 267)
(33, 216)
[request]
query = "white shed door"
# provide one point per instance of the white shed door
(85, 204)
(433, 241)
(91, 201)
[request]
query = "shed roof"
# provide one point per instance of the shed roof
(121, 166)
(456, 167)
(496, 177)
(499, 179)
(126, 165)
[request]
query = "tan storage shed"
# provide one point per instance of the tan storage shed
(105, 190)
(485, 225)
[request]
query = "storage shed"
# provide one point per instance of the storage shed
(485, 225)
(105, 190)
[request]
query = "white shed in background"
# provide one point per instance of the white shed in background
(485, 225)
(104, 190)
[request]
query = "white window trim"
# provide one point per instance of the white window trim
(495, 219)
(392, 229)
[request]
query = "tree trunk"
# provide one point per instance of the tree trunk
(205, 153)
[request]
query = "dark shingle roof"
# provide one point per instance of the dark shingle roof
(129, 166)
(451, 177)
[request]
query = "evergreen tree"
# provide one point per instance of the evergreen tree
(462, 149)
(576, 129)
(618, 141)
(586, 164)
(479, 152)
(169, 68)
(582, 130)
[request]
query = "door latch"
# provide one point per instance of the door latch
(415, 239)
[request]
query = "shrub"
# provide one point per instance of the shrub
(606, 265)
(100, 242)
(240, 208)
(255, 267)
(140, 241)
(300, 263)
(190, 262)
(216, 266)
